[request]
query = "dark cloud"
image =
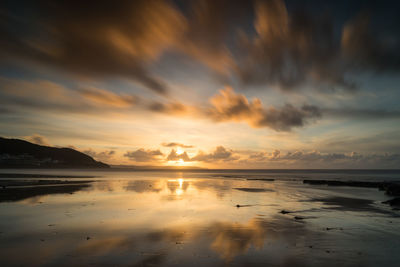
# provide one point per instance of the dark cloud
(289, 50)
(142, 155)
(174, 144)
(229, 106)
(220, 154)
(284, 48)
(210, 23)
(174, 156)
(300, 48)
(363, 49)
(95, 38)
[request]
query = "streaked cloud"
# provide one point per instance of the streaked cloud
(116, 40)
(300, 49)
(108, 98)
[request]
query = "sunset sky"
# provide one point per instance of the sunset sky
(213, 83)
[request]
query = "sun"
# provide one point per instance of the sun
(179, 151)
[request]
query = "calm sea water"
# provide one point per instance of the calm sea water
(200, 218)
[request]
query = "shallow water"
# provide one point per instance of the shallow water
(201, 218)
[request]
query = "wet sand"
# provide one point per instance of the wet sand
(179, 219)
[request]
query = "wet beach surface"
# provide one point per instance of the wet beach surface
(196, 219)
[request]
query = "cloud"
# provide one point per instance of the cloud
(116, 40)
(38, 139)
(226, 106)
(173, 144)
(100, 156)
(174, 108)
(108, 98)
(45, 95)
(142, 155)
(209, 24)
(39, 94)
(219, 154)
(299, 49)
(364, 49)
(174, 156)
(229, 106)
(368, 114)
(287, 49)
(316, 158)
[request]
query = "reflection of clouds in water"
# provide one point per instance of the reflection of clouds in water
(171, 189)
(220, 187)
(105, 245)
(152, 260)
(141, 247)
(169, 235)
(232, 239)
(141, 186)
(178, 186)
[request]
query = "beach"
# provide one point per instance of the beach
(197, 218)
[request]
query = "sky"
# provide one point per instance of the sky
(207, 83)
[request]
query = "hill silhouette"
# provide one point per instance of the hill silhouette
(16, 153)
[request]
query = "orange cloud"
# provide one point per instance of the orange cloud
(174, 156)
(229, 106)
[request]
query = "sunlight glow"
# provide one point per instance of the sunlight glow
(179, 191)
(179, 151)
